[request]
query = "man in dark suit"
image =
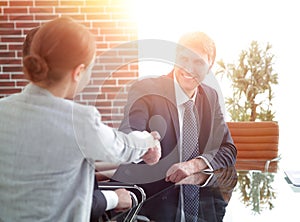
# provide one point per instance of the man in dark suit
(158, 104)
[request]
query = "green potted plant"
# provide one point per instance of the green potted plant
(252, 79)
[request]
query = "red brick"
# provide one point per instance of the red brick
(120, 95)
(91, 10)
(4, 3)
(10, 32)
(104, 103)
(72, 3)
(99, 38)
(133, 66)
(118, 38)
(89, 97)
(101, 96)
(111, 31)
(13, 61)
(16, 46)
(27, 24)
(20, 3)
(133, 53)
(105, 18)
(45, 17)
(98, 3)
(104, 82)
(94, 89)
(109, 89)
(22, 83)
(125, 81)
(20, 53)
(6, 84)
(86, 23)
(3, 46)
(12, 69)
(7, 54)
(8, 25)
(78, 17)
(120, 103)
(107, 110)
(108, 60)
(124, 74)
(66, 10)
(94, 31)
(18, 76)
(15, 10)
(21, 17)
(98, 16)
(41, 10)
(109, 53)
(105, 24)
(46, 3)
(3, 18)
(9, 91)
(102, 45)
(4, 76)
(12, 39)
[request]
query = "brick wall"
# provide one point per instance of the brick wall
(110, 20)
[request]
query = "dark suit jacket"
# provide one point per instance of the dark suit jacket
(99, 203)
(152, 106)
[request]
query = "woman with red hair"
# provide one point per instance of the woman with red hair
(48, 142)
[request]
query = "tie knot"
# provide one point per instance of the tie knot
(189, 104)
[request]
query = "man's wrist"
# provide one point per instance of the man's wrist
(112, 199)
(199, 164)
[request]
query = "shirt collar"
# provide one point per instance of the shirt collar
(34, 89)
(180, 95)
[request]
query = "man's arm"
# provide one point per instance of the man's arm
(219, 152)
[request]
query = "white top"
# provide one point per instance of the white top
(47, 150)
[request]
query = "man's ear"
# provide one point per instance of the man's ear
(76, 73)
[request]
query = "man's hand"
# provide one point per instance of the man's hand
(194, 179)
(125, 201)
(179, 171)
(153, 154)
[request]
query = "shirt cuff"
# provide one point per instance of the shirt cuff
(207, 163)
(211, 174)
(112, 199)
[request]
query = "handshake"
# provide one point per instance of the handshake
(153, 154)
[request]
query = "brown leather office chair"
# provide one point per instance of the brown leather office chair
(256, 143)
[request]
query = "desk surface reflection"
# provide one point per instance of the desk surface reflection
(229, 195)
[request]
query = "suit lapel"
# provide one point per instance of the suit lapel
(171, 103)
(205, 117)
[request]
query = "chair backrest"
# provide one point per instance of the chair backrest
(255, 140)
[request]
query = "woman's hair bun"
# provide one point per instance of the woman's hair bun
(35, 68)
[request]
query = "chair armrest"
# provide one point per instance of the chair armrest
(136, 202)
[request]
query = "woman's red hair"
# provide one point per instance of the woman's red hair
(58, 47)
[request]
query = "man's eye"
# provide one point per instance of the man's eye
(184, 59)
(199, 62)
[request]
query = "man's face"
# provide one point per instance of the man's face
(190, 69)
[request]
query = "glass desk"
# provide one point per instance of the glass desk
(242, 193)
(262, 195)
